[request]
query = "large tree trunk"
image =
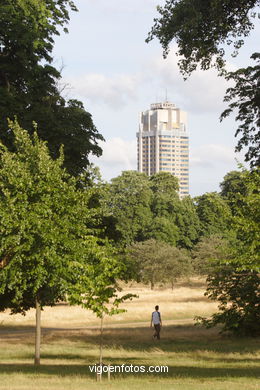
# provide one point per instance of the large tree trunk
(37, 333)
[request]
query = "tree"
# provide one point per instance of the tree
(182, 226)
(94, 283)
(239, 302)
(188, 224)
(158, 262)
(234, 279)
(208, 251)
(214, 214)
(163, 229)
(145, 208)
(44, 225)
(164, 197)
(246, 99)
(246, 223)
(232, 186)
(201, 30)
(129, 202)
(177, 265)
(29, 87)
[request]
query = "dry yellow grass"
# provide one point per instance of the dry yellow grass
(181, 303)
(198, 359)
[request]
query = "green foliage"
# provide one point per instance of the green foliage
(234, 277)
(129, 202)
(232, 188)
(29, 87)
(245, 98)
(239, 300)
(164, 203)
(164, 183)
(163, 229)
(208, 251)
(202, 28)
(158, 262)
(188, 223)
(93, 283)
(177, 265)
(214, 214)
(246, 223)
(145, 207)
(45, 223)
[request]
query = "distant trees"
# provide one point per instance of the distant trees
(233, 280)
(149, 208)
(207, 252)
(214, 214)
(215, 235)
(129, 200)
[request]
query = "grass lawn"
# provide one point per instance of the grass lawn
(196, 358)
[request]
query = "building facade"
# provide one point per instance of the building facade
(163, 143)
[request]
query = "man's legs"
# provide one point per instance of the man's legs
(157, 328)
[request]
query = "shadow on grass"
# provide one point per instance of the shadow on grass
(83, 370)
(175, 338)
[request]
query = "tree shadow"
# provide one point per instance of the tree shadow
(174, 338)
(65, 370)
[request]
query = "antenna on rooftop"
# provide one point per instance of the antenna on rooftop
(156, 97)
(166, 95)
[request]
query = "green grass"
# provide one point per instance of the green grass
(197, 358)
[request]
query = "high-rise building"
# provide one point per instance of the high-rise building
(163, 143)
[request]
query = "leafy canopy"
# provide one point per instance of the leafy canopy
(29, 84)
(202, 28)
(245, 100)
(44, 224)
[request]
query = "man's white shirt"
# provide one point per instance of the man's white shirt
(156, 318)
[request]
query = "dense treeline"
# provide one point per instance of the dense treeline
(216, 235)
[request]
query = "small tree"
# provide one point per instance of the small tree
(207, 252)
(93, 283)
(177, 265)
(158, 262)
(44, 219)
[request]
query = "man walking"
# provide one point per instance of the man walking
(156, 322)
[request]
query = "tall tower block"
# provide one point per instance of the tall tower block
(163, 143)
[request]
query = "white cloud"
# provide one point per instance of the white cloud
(213, 155)
(118, 155)
(114, 91)
(203, 92)
(126, 6)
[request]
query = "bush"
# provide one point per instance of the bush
(239, 300)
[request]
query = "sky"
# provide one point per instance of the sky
(109, 67)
